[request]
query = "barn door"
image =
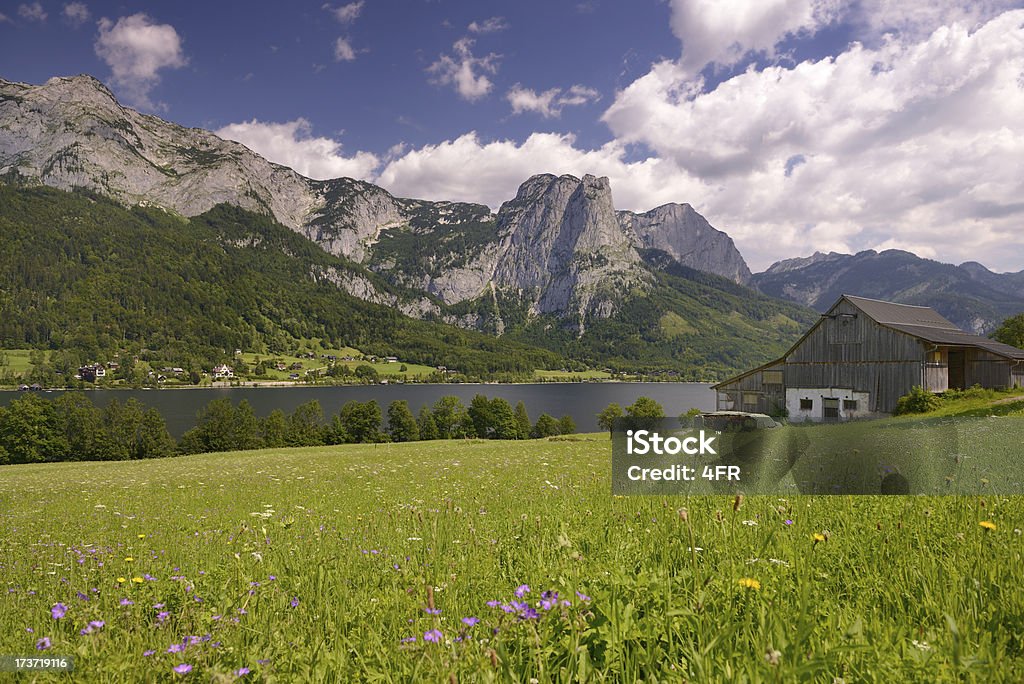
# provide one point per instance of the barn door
(956, 369)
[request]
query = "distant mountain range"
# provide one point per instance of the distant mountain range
(970, 295)
(556, 267)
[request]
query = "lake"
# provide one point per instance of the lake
(581, 400)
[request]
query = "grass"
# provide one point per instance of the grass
(571, 375)
(17, 360)
(315, 564)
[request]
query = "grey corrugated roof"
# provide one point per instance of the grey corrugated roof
(958, 337)
(901, 314)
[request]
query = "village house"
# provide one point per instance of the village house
(223, 372)
(862, 355)
(92, 372)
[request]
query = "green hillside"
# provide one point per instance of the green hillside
(82, 274)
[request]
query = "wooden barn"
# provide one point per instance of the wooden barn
(863, 355)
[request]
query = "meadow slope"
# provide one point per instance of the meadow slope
(441, 561)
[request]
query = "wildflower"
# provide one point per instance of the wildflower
(158, 605)
(988, 525)
(241, 672)
(58, 611)
(522, 590)
(582, 597)
(470, 621)
(142, 536)
(161, 616)
(175, 648)
(82, 596)
(493, 603)
(43, 644)
(184, 668)
(772, 656)
(409, 639)
(788, 521)
(749, 583)
(129, 559)
(295, 602)
(433, 635)
(121, 580)
(137, 580)
(750, 523)
(432, 611)
(549, 600)
(127, 602)
(922, 645)
(817, 537)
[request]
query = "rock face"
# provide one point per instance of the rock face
(559, 247)
(688, 238)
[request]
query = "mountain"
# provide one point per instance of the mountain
(969, 295)
(557, 266)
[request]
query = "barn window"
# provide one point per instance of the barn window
(771, 377)
(830, 410)
(849, 404)
(806, 404)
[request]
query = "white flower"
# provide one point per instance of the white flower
(750, 523)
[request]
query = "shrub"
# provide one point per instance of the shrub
(919, 400)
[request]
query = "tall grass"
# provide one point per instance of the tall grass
(440, 562)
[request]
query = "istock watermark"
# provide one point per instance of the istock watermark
(734, 452)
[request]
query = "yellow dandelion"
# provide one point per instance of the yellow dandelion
(142, 536)
(749, 583)
(121, 580)
(817, 537)
(988, 524)
(137, 580)
(128, 559)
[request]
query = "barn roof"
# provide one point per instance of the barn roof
(958, 338)
(890, 313)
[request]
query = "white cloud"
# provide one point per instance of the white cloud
(917, 20)
(915, 142)
(470, 170)
(464, 71)
(343, 51)
(76, 13)
(346, 14)
(136, 49)
(492, 25)
(549, 103)
(724, 31)
(4, 17)
(292, 144)
(33, 12)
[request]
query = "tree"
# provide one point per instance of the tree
(274, 429)
(566, 425)
(426, 424)
(223, 427)
(505, 424)
(546, 426)
(29, 431)
(81, 423)
(154, 440)
(402, 425)
(122, 423)
(522, 420)
(366, 372)
(450, 417)
(1011, 331)
(644, 413)
(304, 425)
(606, 418)
(360, 422)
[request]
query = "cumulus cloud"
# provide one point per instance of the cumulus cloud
(469, 169)
(915, 143)
(76, 13)
(550, 102)
(464, 71)
(346, 14)
(343, 51)
(292, 144)
(32, 12)
(492, 25)
(917, 20)
(136, 49)
(724, 31)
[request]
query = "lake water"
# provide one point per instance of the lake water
(582, 400)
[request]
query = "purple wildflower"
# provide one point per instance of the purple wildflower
(582, 597)
(148, 653)
(789, 522)
(161, 616)
(493, 604)
(263, 661)
(549, 600)
(43, 644)
(97, 624)
(184, 668)
(82, 596)
(127, 602)
(158, 605)
(58, 611)
(522, 590)
(470, 621)
(409, 640)
(175, 648)
(295, 602)
(433, 635)
(149, 578)
(432, 611)
(272, 578)
(30, 630)
(241, 672)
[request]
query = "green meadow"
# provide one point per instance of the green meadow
(492, 561)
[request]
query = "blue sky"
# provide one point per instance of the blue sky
(794, 125)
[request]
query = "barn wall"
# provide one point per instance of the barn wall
(986, 369)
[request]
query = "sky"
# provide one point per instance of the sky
(794, 125)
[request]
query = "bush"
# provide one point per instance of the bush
(919, 400)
